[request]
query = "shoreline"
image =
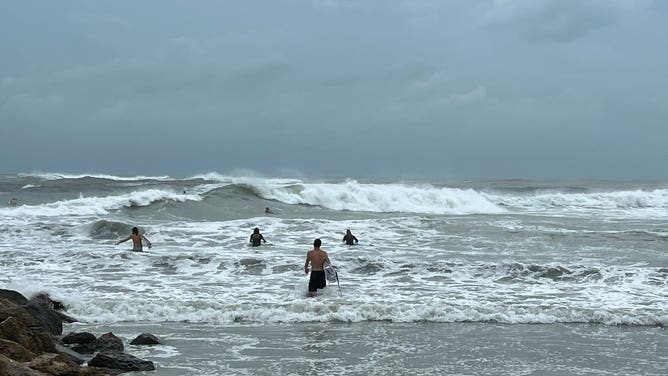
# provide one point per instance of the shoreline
(367, 348)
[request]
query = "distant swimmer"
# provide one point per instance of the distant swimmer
(349, 238)
(268, 211)
(256, 238)
(317, 258)
(12, 202)
(136, 240)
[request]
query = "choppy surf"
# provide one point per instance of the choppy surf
(463, 251)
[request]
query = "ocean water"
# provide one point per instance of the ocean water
(462, 277)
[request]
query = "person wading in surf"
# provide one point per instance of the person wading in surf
(136, 240)
(317, 257)
(349, 238)
(256, 238)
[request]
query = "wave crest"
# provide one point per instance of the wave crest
(104, 229)
(637, 199)
(66, 176)
(384, 198)
(100, 205)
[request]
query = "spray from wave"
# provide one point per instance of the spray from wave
(65, 176)
(100, 205)
(636, 199)
(351, 195)
(387, 198)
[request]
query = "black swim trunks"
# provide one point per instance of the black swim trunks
(317, 280)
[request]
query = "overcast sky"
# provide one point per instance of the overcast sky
(358, 88)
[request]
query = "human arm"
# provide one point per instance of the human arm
(123, 240)
(147, 241)
(306, 264)
(355, 239)
(263, 239)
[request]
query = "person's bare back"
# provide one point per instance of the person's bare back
(317, 258)
(137, 240)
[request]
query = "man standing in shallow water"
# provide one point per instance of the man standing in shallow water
(317, 257)
(136, 240)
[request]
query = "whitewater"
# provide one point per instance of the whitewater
(586, 261)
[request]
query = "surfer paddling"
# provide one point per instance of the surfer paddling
(137, 239)
(317, 257)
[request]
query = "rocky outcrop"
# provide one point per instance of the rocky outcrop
(11, 367)
(122, 361)
(54, 364)
(13, 297)
(81, 338)
(45, 317)
(55, 307)
(145, 339)
(15, 351)
(106, 342)
(29, 330)
(70, 354)
(10, 309)
(16, 325)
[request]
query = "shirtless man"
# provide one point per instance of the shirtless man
(317, 258)
(136, 240)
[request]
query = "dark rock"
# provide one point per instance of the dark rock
(121, 361)
(16, 330)
(54, 364)
(27, 349)
(109, 341)
(15, 351)
(86, 348)
(106, 342)
(66, 318)
(83, 337)
(71, 355)
(98, 371)
(58, 306)
(45, 300)
(45, 317)
(13, 296)
(145, 339)
(11, 367)
(11, 309)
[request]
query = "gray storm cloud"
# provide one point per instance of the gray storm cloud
(517, 88)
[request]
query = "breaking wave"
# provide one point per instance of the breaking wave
(99, 205)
